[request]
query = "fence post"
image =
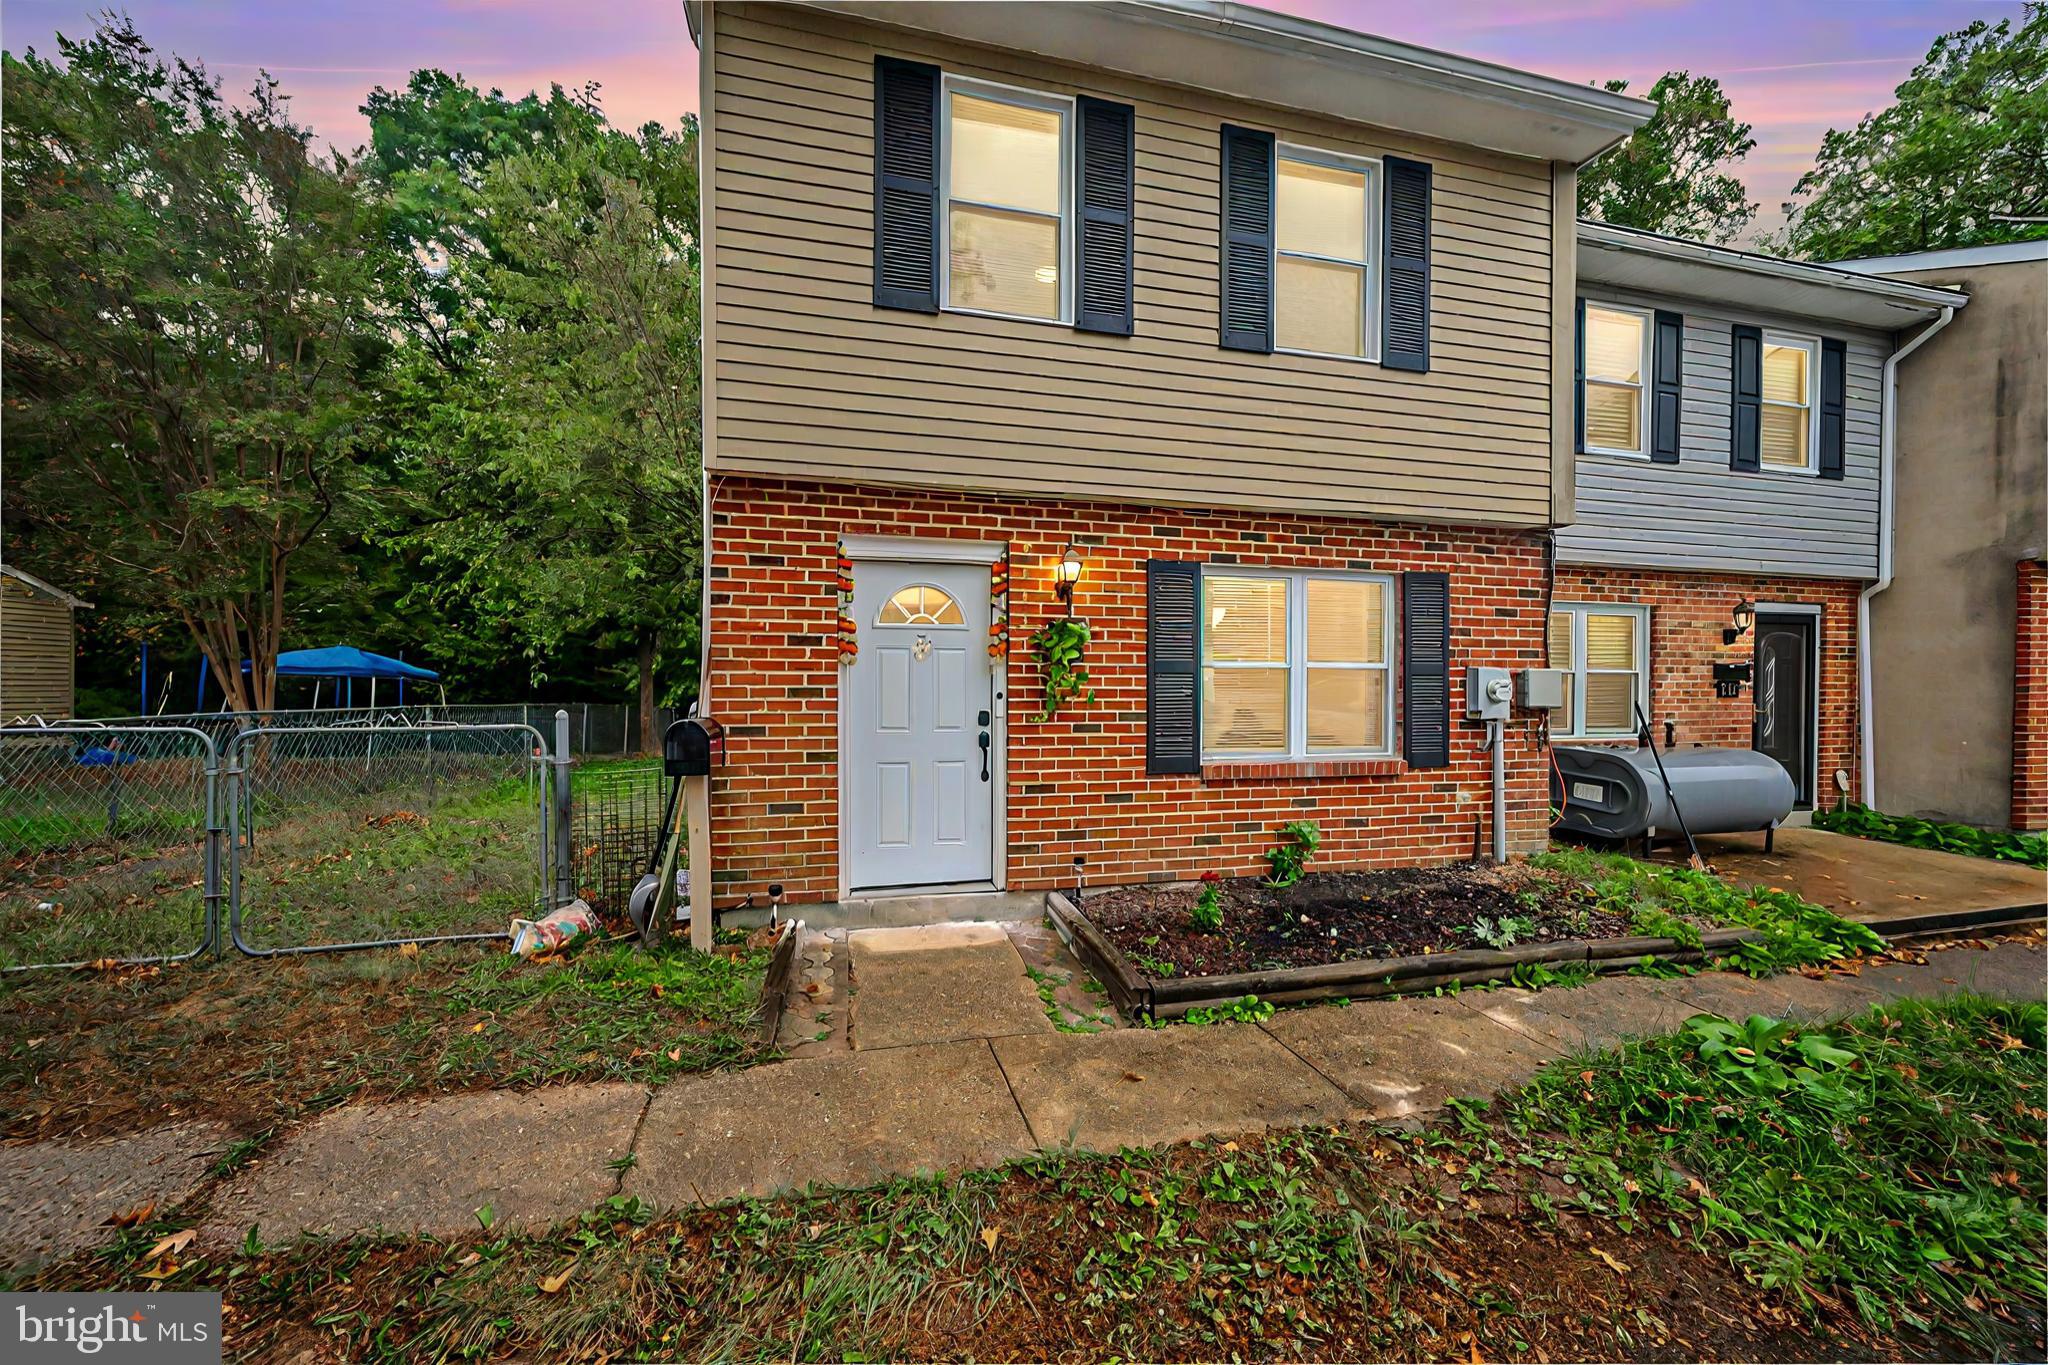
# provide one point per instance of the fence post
(213, 842)
(565, 880)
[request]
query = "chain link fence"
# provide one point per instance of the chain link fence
(616, 823)
(109, 845)
(596, 729)
(351, 836)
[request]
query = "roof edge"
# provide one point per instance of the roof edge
(48, 589)
(1948, 258)
(1591, 232)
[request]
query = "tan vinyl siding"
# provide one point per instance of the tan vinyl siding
(37, 654)
(810, 380)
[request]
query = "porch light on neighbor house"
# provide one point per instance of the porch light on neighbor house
(1068, 574)
(1745, 617)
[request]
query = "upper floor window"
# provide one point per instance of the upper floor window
(1296, 665)
(1617, 343)
(1605, 653)
(1324, 284)
(1788, 431)
(1007, 198)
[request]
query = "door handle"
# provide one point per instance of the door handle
(984, 755)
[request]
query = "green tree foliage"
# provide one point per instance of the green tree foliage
(192, 322)
(1671, 174)
(1965, 144)
(551, 410)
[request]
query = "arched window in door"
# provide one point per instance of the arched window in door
(921, 604)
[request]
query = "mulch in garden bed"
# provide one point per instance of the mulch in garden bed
(1345, 916)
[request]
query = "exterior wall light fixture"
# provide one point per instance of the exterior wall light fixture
(1745, 617)
(1067, 575)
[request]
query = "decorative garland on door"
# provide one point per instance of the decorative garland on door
(999, 608)
(849, 632)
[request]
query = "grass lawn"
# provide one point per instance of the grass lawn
(1869, 1190)
(258, 1043)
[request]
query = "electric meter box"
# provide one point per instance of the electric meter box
(1540, 689)
(1488, 692)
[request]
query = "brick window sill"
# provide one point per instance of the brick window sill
(1312, 768)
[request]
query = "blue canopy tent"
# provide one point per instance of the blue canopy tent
(346, 661)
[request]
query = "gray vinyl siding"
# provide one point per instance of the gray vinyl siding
(1699, 513)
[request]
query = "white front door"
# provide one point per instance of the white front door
(918, 743)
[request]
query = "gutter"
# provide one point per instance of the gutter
(1607, 237)
(1887, 502)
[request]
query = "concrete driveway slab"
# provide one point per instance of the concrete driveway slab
(1400, 1058)
(1141, 1087)
(940, 983)
(1868, 878)
(56, 1198)
(851, 1119)
(534, 1157)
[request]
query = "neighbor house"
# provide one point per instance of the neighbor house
(1731, 515)
(38, 647)
(1242, 338)
(1960, 638)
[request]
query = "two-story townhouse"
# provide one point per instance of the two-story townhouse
(1239, 337)
(1734, 504)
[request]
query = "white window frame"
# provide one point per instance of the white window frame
(1063, 105)
(1297, 665)
(1811, 345)
(1644, 361)
(1372, 266)
(1578, 670)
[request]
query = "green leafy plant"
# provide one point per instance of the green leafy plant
(1299, 840)
(1060, 645)
(1207, 916)
(1506, 933)
(1246, 1009)
(1537, 976)
(2006, 845)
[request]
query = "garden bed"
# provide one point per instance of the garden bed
(1405, 931)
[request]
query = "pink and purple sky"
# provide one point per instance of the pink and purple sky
(1794, 68)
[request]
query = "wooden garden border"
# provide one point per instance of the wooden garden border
(1170, 997)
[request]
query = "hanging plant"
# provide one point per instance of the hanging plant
(1059, 646)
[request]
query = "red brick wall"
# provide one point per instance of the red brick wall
(1688, 612)
(2030, 700)
(1077, 784)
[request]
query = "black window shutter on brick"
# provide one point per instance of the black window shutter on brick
(1579, 377)
(1404, 293)
(1667, 389)
(1746, 415)
(1173, 666)
(1426, 669)
(1108, 172)
(1834, 407)
(906, 185)
(1247, 284)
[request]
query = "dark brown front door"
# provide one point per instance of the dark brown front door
(1786, 695)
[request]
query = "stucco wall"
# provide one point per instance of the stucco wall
(1972, 502)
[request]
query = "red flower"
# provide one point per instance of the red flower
(1212, 876)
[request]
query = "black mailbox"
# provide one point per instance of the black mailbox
(692, 747)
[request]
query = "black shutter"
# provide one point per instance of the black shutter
(1107, 173)
(1247, 283)
(1834, 407)
(1404, 293)
(1667, 387)
(1746, 414)
(1426, 669)
(906, 185)
(1579, 377)
(1173, 666)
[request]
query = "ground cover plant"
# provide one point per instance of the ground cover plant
(1866, 1190)
(256, 1044)
(2005, 844)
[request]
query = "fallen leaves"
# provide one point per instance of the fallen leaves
(553, 1283)
(1618, 1267)
(176, 1242)
(989, 1237)
(129, 1218)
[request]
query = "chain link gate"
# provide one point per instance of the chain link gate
(345, 837)
(110, 845)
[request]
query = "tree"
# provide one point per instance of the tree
(1669, 175)
(191, 323)
(560, 487)
(1964, 147)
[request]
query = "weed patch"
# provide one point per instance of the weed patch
(1865, 823)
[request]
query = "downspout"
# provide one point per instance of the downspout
(1887, 498)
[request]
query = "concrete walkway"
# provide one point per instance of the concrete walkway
(1869, 879)
(936, 1101)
